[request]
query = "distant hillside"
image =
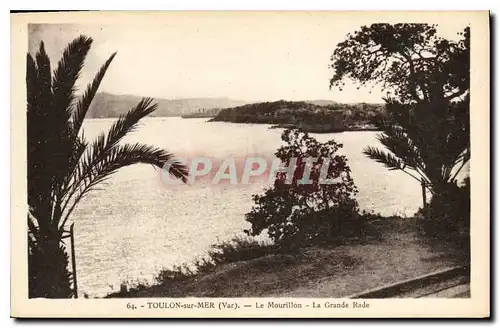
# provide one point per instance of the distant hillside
(334, 117)
(322, 102)
(212, 112)
(203, 113)
(110, 105)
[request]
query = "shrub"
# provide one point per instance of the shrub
(295, 213)
(177, 273)
(239, 249)
(447, 218)
(234, 250)
(48, 274)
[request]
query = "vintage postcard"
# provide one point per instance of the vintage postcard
(250, 164)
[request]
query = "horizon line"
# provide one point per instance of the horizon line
(234, 99)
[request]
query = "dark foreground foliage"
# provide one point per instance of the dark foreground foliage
(305, 208)
(426, 132)
(446, 221)
(63, 167)
(255, 269)
(48, 271)
(238, 249)
(235, 250)
(235, 260)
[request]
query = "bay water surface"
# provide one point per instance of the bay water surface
(135, 224)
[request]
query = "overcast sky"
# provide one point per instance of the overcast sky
(254, 59)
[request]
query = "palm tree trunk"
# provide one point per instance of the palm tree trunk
(47, 269)
(424, 195)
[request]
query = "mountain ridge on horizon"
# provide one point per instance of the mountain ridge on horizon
(164, 98)
(106, 104)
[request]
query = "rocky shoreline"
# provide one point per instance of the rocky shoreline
(321, 129)
(309, 117)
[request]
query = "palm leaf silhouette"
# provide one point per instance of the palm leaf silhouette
(389, 160)
(428, 141)
(62, 166)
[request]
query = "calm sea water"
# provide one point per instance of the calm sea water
(136, 225)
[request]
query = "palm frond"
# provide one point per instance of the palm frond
(78, 116)
(129, 121)
(32, 228)
(125, 124)
(459, 165)
(63, 90)
(38, 83)
(393, 163)
(39, 133)
(397, 142)
(101, 147)
(92, 172)
(43, 68)
(83, 104)
(413, 122)
(389, 160)
(31, 79)
(62, 167)
(67, 72)
(130, 154)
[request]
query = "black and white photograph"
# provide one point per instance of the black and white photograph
(226, 163)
